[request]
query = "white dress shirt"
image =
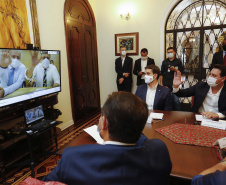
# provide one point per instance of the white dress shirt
(150, 96)
(118, 143)
(143, 65)
(18, 79)
(52, 75)
(123, 60)
(211, 103)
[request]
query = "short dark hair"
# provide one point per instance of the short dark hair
(222, 68)
(126, 114)
(144, 50)
(155, 69)
(171, 48)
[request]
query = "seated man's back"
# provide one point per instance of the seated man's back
(126, 157)
(109, 164)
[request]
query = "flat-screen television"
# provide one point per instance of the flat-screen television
(28, 74)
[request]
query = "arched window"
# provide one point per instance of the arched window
(196, 28)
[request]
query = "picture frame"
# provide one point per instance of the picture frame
(34, 23)
(129, 40)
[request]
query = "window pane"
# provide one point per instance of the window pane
(169, 41)
(214, 13)
(177, 11)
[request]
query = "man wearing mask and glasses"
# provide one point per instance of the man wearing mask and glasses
(44, 74)
(156, 96)
(169, 66)
(15, 75)
(210, 96)
(220, 57)
(140, 64)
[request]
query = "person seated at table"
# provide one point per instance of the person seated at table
(216, 175)
(210, 96)
(156, 96)
(126, 157)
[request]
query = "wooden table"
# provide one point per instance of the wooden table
(187, 160)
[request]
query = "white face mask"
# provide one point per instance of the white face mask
(45, 63)
(148, 79)
(212, 82)
(123, 53)
(170, 55)
(144, 58)
(15, 63)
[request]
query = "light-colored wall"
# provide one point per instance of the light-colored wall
(52, 35)
(148, 20)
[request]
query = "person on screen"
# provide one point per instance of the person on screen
(16, 73)
(126, 153)
(4, 63)
(156, 96)
(44, 74)
(215, 175)
(210, 96)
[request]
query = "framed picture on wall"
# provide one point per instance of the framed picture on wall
(19, 24)
(128, 40)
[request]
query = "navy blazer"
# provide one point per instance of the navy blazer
(145, 163)
(137, 69)
(217, 59)
(199, 91)
(163, 97)
(126, 68)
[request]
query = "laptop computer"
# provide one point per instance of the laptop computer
(34, 120)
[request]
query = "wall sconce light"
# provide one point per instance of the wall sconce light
(125, 16)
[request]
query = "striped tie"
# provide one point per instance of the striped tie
(44, 79)
(11, 76)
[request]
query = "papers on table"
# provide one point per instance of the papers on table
(94, 133)
(199, 117)
(214, 124)
(154, 116)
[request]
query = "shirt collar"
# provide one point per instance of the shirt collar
(218, 92)
(153, 87)
(118, 143)
(224, 52)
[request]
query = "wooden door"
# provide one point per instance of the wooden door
(80, 30)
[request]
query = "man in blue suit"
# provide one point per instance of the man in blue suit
(127, 157)
(156, 96)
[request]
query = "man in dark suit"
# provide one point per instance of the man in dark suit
(126, 157)
(156, 96)
(215, 175)
(123, 68)
(210, 96)
(220, 57)
(140, 65)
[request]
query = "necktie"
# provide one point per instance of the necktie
(224, 62)
(44, 79)
(11, 76)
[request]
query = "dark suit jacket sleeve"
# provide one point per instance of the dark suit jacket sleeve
(118, 68)
(188, 92)
(169, 102)
(130, 66)
(163, 69)
(55, 175)
(216, 178)
(135, 69)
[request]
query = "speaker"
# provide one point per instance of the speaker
(29, 46)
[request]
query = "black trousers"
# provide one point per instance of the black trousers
(125, 86)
